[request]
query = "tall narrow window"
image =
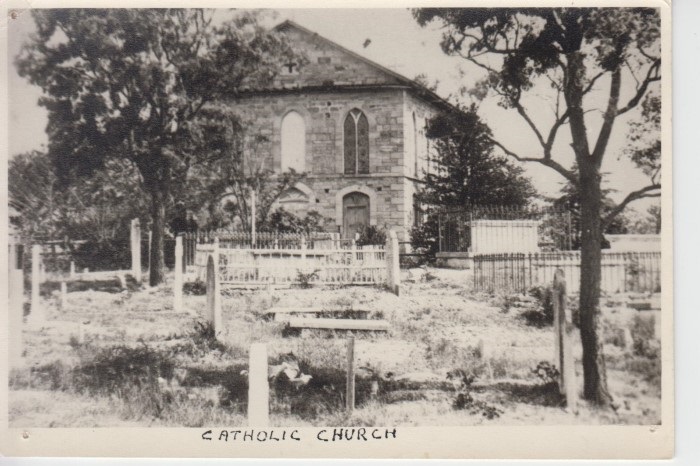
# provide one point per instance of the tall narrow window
(356, 143)
(293, 150)
(415, 147)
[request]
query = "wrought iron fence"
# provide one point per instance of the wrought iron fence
(620, 272)
(456, 233)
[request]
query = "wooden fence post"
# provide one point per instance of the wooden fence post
(177, 283)
(16, 304)
(303, 248)
(64, 295)
(37, 312)
(563, 329)
(150, 244)
(136, 250)
(350, 385)
(258, 387)
(392, 262)
(214, 290)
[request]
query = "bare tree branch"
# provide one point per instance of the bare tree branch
(526, 117)
(588, 88)
(647, 191)
(608, 118)
(652, 75)
(546, 161)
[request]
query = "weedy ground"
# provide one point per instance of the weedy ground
(126, 358)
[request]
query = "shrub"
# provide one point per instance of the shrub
(370, 234)
(464, 400)
(304, 278)
(195, 288)
(507, 302)
(118, 369)
(546, 372)
(643, 342)
(543, 314)
(105, 254)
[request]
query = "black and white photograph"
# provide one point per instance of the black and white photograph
(268, 228)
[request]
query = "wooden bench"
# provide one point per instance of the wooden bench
(338, 324)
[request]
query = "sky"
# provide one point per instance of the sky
(399, 43)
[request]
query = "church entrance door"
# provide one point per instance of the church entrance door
(355, 213)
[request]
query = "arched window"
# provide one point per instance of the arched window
(356, 143)
(293, 150)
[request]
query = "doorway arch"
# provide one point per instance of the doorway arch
(355, 213)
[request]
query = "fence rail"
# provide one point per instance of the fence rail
(358, 265)
(620, 272)
(262, 241)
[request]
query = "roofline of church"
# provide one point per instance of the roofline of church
(422, 91)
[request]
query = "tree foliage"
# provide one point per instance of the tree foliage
(467, 172)
(95, 208)
(236, 168)
(132, 83)
(571, 52)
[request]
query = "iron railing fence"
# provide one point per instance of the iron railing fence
(517, 273)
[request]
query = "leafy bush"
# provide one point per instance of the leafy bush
(643, 341)
(195, 288)
(104, 254)
(546, 372)
(282, 221)
(304, 278)
(543, 314)
(370, 234)
(119, 369)
(465, 400)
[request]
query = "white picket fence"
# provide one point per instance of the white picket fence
(353, 265)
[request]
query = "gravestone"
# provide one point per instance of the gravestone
(563, 333)
(64, 295)
(213, 292)
(136, 249)
(16, 304)
(177, 283)
(350, 384)
(393, 273)
(37, 311)
(258, 387)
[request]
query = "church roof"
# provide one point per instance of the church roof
(334, 67)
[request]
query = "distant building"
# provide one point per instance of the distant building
(354, 127)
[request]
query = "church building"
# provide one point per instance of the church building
(354, 127)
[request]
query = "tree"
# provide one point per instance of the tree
(98, 207)
(570, 201)
(234, 171)
(467, 172)
(34, 196)
(132, 83)
(568, 51)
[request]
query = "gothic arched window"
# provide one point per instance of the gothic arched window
(356, 143)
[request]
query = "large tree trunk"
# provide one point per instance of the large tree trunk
(157, 259)
(595, 387)
(156, 174)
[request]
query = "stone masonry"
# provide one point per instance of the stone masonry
(323, 90)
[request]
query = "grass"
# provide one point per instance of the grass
(142, 363)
